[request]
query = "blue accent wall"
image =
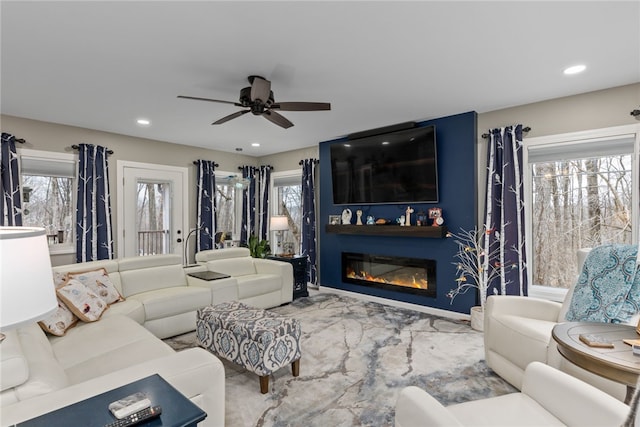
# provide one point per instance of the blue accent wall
(457, 181)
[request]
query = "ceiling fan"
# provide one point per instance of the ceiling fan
(259, 100)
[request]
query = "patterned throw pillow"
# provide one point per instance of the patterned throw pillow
(82, 301)
(98, 281)
(58, 323)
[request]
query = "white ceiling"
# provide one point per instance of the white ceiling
(102, 65)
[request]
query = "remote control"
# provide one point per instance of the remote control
(136, 418)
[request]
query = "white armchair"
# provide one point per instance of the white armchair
(548, 397)
(517, 331)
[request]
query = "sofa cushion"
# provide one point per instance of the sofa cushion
(99, 282)
(258, 284)
(147, 273)
(58, 322)
(233, 266)
(213, 254)
(82, 301)
(111, 344)
(171, 301)
(130, 307)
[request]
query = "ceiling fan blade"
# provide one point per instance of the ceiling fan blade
(260, 89)
(209, 100)
(302, 106)
(276, 118)
(230, 117)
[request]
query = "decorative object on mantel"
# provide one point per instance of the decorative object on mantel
(359, 217)
(371, 220)
(346, 216)
(407, 214)
(473, 269)
(436, 215)
(421, 218)
(334, 219)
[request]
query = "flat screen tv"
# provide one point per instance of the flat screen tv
(396, 167)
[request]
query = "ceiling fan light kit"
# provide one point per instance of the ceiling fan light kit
(259, 100)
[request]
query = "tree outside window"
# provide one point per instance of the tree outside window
(577, 203)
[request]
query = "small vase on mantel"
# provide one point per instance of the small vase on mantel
(477, 318)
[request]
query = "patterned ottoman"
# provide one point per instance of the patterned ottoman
(255, 339)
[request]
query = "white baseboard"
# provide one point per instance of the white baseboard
(394, 303)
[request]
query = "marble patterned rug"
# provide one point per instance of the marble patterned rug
(356, 357)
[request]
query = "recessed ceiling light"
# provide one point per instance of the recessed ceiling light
(575, 69)
(143, 122)
(255, 144)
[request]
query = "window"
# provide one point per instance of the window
(581, 195)
(229, 204)
(48, 190)
(287, 200)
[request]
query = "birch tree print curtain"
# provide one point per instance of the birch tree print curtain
(248, 222)
(94, 239)
(10, 208)
(504, 212)
(308, 242)
(263, 209)
(206, 221)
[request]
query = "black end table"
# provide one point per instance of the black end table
(299, 264)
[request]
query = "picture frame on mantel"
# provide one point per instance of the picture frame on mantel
(334, 219)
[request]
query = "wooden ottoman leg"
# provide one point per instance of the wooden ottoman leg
(264, 384)
(295, 368)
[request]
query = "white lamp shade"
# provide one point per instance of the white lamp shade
(27, 292)
(279, 223)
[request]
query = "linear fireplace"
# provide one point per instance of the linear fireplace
(401, 274)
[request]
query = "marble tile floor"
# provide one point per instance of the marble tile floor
(356, 357)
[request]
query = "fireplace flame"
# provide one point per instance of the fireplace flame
(398, 280)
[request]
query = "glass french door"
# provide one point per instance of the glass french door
(153, 210)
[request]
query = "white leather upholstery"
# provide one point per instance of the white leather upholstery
(549, 397)
(262, 283)
(517, 331)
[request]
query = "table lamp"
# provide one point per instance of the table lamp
(27, 292)
(279, 223)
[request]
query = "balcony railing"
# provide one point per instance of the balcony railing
(153, 242)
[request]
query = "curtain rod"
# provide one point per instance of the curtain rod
(76, 147)
(269, 166)
(195, 162)
(525, 129)
(19, 140)
(316, 161)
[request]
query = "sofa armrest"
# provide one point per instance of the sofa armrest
(196, 373)
(571, 400)
(417, 407)
(533, 308)
(271, 266)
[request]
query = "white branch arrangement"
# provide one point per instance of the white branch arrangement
(472, 268)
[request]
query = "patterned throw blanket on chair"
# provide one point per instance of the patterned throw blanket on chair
(608, 289)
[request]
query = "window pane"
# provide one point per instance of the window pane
(576, 204)
(225, 205)
(153, 218)
(48, 203)
(289, 199)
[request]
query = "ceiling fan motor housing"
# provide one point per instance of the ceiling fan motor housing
(256, 107)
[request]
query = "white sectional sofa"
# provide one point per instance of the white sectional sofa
(40, 372)
(259, 282)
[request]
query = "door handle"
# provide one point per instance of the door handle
(179, 240)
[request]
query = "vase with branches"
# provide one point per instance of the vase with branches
(473, 267)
